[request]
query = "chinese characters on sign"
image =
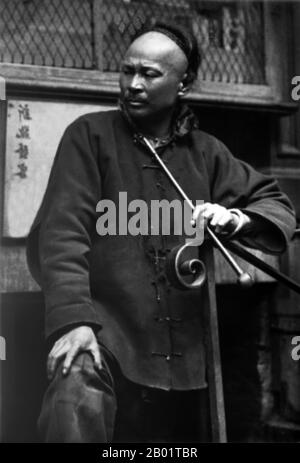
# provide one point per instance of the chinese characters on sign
(33, 131)
(23, 136)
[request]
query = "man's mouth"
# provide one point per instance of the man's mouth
(135, 102)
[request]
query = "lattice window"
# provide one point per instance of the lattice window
(62, 33)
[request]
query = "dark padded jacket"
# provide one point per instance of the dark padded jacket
(118, 283)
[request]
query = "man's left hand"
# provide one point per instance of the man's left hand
(218, 217)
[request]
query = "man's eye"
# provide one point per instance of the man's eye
(151, 74)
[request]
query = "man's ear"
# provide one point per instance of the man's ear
(184, 85)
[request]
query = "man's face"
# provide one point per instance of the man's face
(150, 76)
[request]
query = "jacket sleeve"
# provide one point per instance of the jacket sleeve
(65, 226)
(235, 184)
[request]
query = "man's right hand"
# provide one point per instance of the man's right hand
(72, 343)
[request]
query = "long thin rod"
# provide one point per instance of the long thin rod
(224, 251)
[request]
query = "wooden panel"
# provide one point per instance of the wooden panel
(2, 89)
(2, 149)
(225, 274)
(24, 371)
(34, 129)
(14, 273)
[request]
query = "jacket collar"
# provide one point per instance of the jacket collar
(185, 121)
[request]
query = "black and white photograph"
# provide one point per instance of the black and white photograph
(150, 235)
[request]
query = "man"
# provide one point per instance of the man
(123, 342)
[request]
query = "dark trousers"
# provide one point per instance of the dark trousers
(101, 406)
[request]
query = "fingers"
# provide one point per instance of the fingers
(217, 216)
(75, 349)
(95, 351)
(78, 340)
(59, 350)
(220, 219)
(196, 214)
(71, 354)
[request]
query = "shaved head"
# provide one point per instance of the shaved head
(157, 47)
(152, 79)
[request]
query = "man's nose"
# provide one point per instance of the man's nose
(136, 84)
